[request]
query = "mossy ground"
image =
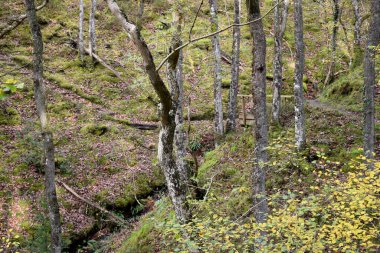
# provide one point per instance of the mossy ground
(109, 162)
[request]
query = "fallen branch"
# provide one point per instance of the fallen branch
(212, 34)
(16, 22)
(101, 61)
(115, 218)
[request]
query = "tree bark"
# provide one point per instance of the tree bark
(175, 79)
(218, 106)
(300, 128)
(370, 80)
(358, 51)
(232, 96)
(279, 30)
(81, 18)
(260, 112)
(92, 33)
(331, 70)
(48, 146)
(176, 187)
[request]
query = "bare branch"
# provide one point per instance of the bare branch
(212, 34)
(195, 19)
(16, 22)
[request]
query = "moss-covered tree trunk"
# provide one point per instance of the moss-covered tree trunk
(370, 80)
(358, 51)
(175, 79)
(48, 146)
(176, 187)
(280, 17)
(218, 106)
(232, 95)
(331, 70)
(260, 111)
(299, 107)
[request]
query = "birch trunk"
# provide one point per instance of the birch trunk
(176, 83)
(48, 146)
(232, 96)
(218, 107)
(176, 187)
(92, 33)
(260, 112)
(300, 131)
(331, 69)
(279, 30)
(81, 18)
(358, 52)
(370, 80)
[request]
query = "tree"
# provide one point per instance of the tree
(92, 33)
(218, 106)
(279, 30)
(81, 18)
(176, 187)
(370, 80)
(358, 54)
(48, 146)
(331, 70)
(260, 111)
(175, 79)
(300, 128)
(232, 96)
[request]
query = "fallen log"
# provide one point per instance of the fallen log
(114, 217)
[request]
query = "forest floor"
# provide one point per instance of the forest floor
(108, 161)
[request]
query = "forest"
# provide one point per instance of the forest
(137, 126)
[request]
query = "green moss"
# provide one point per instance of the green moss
(94, 129)
(9, 116)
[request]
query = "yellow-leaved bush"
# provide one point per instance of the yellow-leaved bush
(340, 215)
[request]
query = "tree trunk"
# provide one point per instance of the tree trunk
(141, 9)
(358, 51)
(81, 18)
(370, 80)
(176, 187)
(260, 112)
(232, 96)
(331, 69)
(48, 146)
(92, 33)
(218, 106)
(279, 30)
(300, 128)
(176, 83)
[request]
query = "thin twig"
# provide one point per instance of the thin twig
(15, 69)
(209, 187)
(195, 19)
(212, 34)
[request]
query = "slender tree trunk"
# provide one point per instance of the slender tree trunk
(81, 18)
(40, 98)
(141, 9)
(331, 69)
(232, 96)
(92, 33)
(176, 83)
(176, 187)
(300, 128)
(260, 111)
(358, 51)
(279, 30)
(218, 106)
(370, 80)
